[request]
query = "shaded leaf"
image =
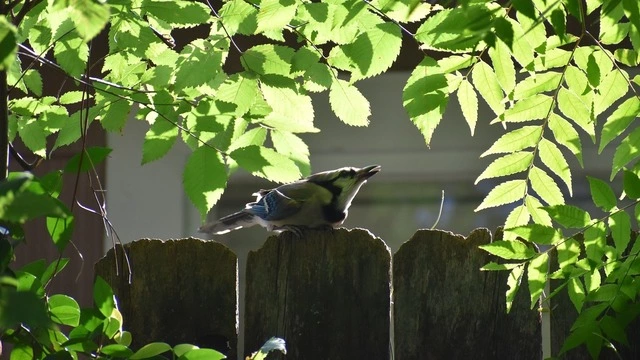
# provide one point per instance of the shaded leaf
(204, 178)
(568, 216)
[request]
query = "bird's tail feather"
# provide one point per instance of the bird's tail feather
(229, 223)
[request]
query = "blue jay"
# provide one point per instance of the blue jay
(321, 200)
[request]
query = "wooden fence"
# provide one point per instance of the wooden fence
(330, 296)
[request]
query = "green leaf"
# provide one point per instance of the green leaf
(517, 217)
(198, 64)
(60, 231)
(503, 66)
(619, 121)
(535, 208)
(614, 329)
(516, 140)
(601, 193)
(568, 253)
(372, 52)
(266, 163)
(275, 14)
(537, 83)
(613, 87)
(268, 59)
(552, 157)
(90, 158)
(178, 13)
(576, 293)
(531, 108)
(8, 44)
(620, 227)
(53, 269)
(72, 54)
(33, 135)
(509, 250)
(545, 186)
(256, 136)
(537, 276)
(568, 216)
(116, 350)
(505, 193)
(349, 105)
(89, 17)
(572, 107)
(33, 81)
(238, 16)
(202, 354)
(151, 350)
(566, 135)
(626, 151)
(425, 97)
(595, 240)
(114, 112)
(64, 310)
(103, 297)
(292, 111)
(631, 185)
(468, 101)
(181, 349)
(492, 266)
(537, 233)
(159, 139)
(290, 145)
(71, 97)
(507, 165)
(513, 283)
(204, 178)
(487, 84)
(240, 89)
(456, 30)
(22, 198)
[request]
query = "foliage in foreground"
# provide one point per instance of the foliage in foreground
(551, 75)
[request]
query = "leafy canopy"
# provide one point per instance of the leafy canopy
(552, 76)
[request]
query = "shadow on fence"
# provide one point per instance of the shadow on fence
(330, 296)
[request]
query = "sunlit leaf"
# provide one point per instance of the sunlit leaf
(348, 103)
(505, 193)
(568, 216)
(545, 186)
(626, 151)
(507, 165)
(537, 276)
(487, 84)
(509, 250)
(619, 120)
(522, 138)
(468, 101)
(552, 157)
(513, 284)
(204, 178)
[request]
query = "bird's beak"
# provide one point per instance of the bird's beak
(367, 172)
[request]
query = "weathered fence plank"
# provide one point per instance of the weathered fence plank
(327, 294)
(445, 308)
(182, 291)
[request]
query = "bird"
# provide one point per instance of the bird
(319, 201)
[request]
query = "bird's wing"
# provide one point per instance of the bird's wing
(274, 205)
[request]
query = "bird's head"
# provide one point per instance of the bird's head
(344, 183)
